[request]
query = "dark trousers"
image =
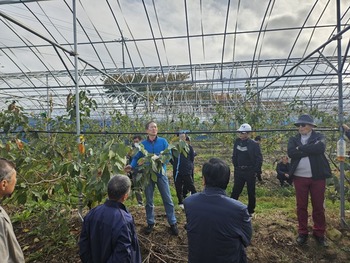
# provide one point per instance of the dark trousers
(181, 182)
(185, 190)
(136, 189)
(282, 178)
(316, 189)
(240, 179)
(258, 175)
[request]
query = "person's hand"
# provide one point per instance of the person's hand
(286, 175)
(346, 127)
(128, 168)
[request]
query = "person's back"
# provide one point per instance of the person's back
(218, 227)
(108, 233)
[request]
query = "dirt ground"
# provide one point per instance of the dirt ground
(273, 240)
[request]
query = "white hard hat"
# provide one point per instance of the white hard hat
(245, 127)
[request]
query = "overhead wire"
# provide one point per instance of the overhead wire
(131, 34)
(224, 38)
(269, 7)
(235, 41)
(202, 34)
(328, 65)
(307, 78)
(154, 41)
(188, 39)
(160, 32)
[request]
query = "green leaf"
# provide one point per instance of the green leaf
(154, 166)
(22, 198)
(106, 175)
(154, 177)
(111, 154)
(65, 187)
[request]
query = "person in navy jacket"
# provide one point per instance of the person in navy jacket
(218, 227)
(108, 234)
(183, 166)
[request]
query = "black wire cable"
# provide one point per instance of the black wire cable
(327, 129)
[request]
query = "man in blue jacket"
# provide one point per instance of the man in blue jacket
(108, 233)
(155, 144)
(218, 227)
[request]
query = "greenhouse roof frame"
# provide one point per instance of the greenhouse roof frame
(283, 50)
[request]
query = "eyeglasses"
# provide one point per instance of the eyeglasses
(300, 125)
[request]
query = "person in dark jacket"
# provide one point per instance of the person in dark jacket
(108, 233)
(247, 161)
(218, 227)
(282, 170)
(185, 191)
(134, 174)
(182, 171)
(258, 139)
(309, 169)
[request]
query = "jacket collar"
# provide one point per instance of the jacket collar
(115, 204)
(209, 190)
(152, 141)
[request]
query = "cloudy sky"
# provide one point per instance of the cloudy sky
(174, 20)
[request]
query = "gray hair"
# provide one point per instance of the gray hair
(6, 169)
(118, 186)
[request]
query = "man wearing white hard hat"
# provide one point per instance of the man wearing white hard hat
(247, 161)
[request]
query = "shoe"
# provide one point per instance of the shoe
(321, 241)
(149, 229)
(174, 230)
(181, 206)
(140, 204)
(302, 239)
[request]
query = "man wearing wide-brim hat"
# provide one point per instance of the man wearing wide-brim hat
(309, 169)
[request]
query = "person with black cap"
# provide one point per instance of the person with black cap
(247, 161)
(309, 169)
